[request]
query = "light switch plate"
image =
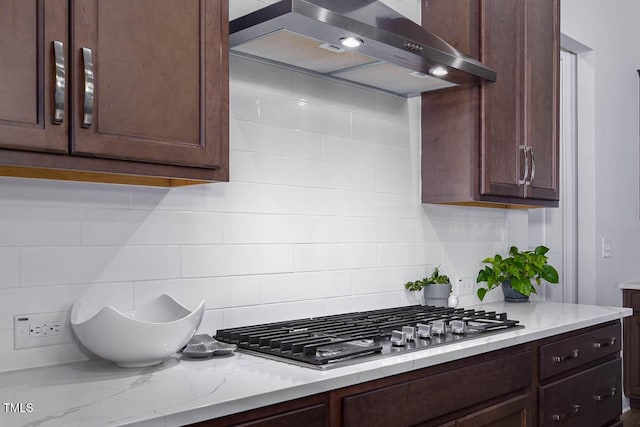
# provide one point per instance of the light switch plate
(42, 329)
(606, 248)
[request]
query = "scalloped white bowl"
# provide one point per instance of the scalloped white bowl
(144, 337)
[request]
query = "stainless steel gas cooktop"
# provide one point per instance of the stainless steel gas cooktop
(332, 341)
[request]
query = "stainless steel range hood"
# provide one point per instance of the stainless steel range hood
(394, 54)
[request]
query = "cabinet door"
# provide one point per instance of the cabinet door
(502, 158)
(631, 355)
(515, 412)
(542, 77)
(28, 29)
(160, 80)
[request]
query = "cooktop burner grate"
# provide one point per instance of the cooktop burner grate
(330, 341)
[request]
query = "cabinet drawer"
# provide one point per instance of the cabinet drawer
(427, 398)
(589, 398)
(561, 356)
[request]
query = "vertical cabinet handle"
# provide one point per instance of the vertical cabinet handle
(603, 344)
(60, 93)
(87, 57)
(561, 417)
(525, 178)
(533, 166)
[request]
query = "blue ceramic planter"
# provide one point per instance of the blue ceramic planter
(512, 295)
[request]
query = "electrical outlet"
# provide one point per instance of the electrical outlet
(466, 286)
(38, 330)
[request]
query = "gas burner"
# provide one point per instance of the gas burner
(332, 341)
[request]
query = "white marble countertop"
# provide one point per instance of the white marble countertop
(94, 393)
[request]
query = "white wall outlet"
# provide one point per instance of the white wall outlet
(38, 330)
(466, 286)
(607, 251)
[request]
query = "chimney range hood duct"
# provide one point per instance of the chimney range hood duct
(360, 41)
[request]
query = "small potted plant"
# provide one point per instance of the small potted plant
(515, 272)
(437, 288)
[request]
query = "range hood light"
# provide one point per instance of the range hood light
(438, 71)
(351, 42)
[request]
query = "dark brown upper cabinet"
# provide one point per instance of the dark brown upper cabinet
(28, 75)
(495, 145)
(141, 85)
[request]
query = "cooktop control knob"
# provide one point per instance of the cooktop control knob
(438, 327)
(458, 327)
(398, 339)
(424, 331)
(409, 333)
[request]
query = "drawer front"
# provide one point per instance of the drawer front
(589, 398)
(563, 355)
(424, 399)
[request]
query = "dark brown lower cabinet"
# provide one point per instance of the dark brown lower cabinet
(631, 298)
(514, 412)
(544, 383)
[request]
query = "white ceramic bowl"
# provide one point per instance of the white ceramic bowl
(143, 337)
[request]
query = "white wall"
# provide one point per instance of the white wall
(608, 148)
(322, 215)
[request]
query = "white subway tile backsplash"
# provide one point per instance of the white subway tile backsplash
(243, 104)
(360, 153)
(291, 310)
(300, 200)
(220, 197)
(334, 256)
(31, 192)
(384, 205)
(317, 173)
(259, 76)
(142, 227)
(233, 260)
(348, 229)
(276, 288)
(376, 280)
(375, 129)
(397, 254)
(212, 320)
(300, 114)
(33, 226)
(396, 181)
(241, 316)
(273, 229)
(265, 139)
(362, 302)
(91, 264)
(218, 292)
(253, 167)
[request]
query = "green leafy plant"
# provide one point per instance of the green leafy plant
(519, 267)
(435, 279)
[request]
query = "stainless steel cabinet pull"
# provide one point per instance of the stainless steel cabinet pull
(608, 395)
(61, 83)
(87, 56)
(525, 178)
(560, 417)
(533, 166)
(559, 359)
(608, 343)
